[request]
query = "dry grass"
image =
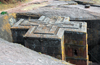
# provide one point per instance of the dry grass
(33, 6)
(7, 6)
(96, 1)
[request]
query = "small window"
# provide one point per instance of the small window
(75, 52)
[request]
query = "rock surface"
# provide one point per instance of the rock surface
(75, 12)
(15, 54)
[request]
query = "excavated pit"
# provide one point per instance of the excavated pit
(50, 36)
(92, 27)
(92, 30)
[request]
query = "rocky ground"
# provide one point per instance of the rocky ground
(75, 12)
(21, 6)
(15, 54)
(39, 3)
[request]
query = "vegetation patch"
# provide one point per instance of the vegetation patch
(11, 3)
(96, 2)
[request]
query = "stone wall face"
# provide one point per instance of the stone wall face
(46, 46)
(17, 35)
(94, 39)
(5, 25)
(93, 30)
(26, 16)
(79, 62)
(75, 47)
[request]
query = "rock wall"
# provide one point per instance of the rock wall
(5, 23)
